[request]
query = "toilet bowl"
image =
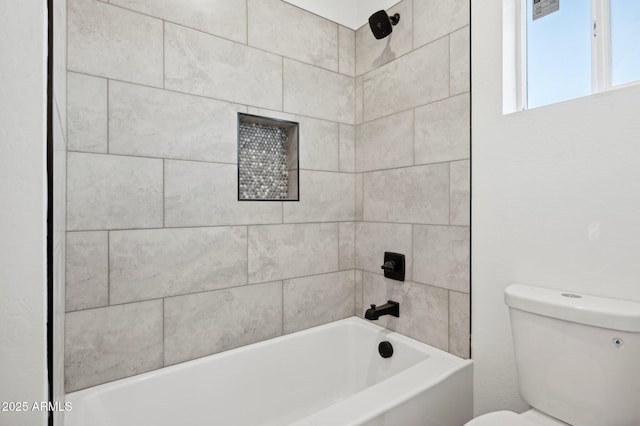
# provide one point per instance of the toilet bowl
(576, 358)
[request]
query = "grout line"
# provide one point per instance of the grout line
(214, 290)
(164, 346)
(108, 118)
(164, 195)
(212, 98)
(246, 21)
(108, 268)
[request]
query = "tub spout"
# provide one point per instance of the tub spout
(390, 308)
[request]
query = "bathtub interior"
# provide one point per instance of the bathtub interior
(269, 383)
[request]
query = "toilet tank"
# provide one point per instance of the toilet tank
(577, 356)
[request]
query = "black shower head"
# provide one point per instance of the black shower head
(381, 24)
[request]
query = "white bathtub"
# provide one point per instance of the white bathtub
(330, 375)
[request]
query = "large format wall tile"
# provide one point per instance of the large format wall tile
(408, 195)
(317, 300)
(206, 194)
(359, 196)
(347, 249)
(417, 78)
(205, 65)
(460, 199)
(318, 93)
(288, 251)
(87, 113)
(346, 51)
(157, 123)
(318, 140)
(224, 18)
(442, 131)
(324, 197)
(438, 18)
(359, 99)
(115, 43)
(385, 143)
(151, 264)
(441, 255)
(373, 239)
(347, 148)
(372, 53)
(460, 45)
(424, 310)
(113, 192)
(298, 34)
(87, 272)
(106, 344)
(202, 324)
(459, 324)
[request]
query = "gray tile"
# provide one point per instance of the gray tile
(197, 325)
(106, 344)
(385, 143)
(60, 61)
(359, 196)
(202, 64)
(206, 194)
(87, 113)
(415, 79)
(424, 310)
(441, 256)
(87, 272)
(224, 18)
(460, 198)
(298, 34)
(324, 197)
(290, 251)
(460, 45)
(151, 264)
(438, 18)
(358, 311)
(317, 300)
(408, 195)
(347, 148)
(373, 239)
(372, 53)
(442, 131)
(318, 140)
(112, 192)
(318, 93)
(347, 253)
(346, 51)
(113, 42)
(359, 99)
(157, 123)
(459, 324)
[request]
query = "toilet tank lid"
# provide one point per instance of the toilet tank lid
(615, 314)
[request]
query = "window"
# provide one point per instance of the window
(583, 47)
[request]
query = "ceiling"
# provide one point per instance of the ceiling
(350, 13)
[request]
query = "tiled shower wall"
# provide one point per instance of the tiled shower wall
(412, 164)
(164, 264)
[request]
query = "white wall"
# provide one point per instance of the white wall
(23, 208)
(556, 203)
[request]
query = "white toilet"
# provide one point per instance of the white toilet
(578, 359)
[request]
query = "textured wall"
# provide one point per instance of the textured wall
(164, 264)
(412, 164)
(555, 205)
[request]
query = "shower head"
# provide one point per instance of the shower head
(382, 24)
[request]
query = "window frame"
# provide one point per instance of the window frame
(600, 51)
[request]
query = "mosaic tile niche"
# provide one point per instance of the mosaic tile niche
(267, 159)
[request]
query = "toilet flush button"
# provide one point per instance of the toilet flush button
(617, 342)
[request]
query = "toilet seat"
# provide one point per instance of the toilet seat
(509, 418)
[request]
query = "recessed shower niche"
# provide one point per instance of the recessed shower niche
(267, 159)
